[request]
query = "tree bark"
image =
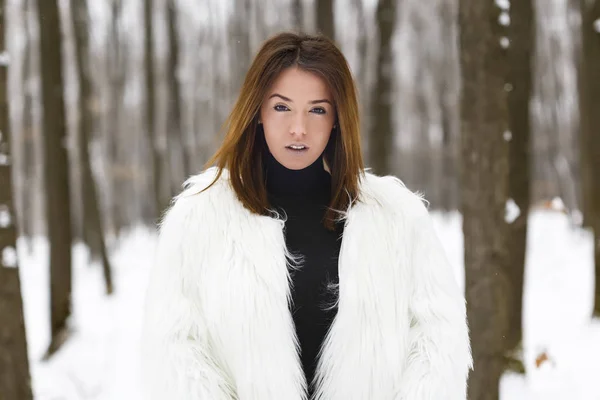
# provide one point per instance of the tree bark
(297, 15)
(520, 76)
(91, 231)
(587, 198)
(448, 82)
(590, 127)
(381, 139)
(56, 169)
(28, 205)
(179, 154)
(484, 116)
(155, 159)
(15, 383)
(92, 217)
(362, 68)
(325, 19)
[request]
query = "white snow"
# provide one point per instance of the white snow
(5, 219)
(100, 359)
(504, 18)
(512, 211)
(503, 4)
(9, 257)
(4, 59)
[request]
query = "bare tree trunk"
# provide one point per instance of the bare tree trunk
(520, 76)
(297, 15)
(587, 183)
(58, 201)
(179, 154)
(590, 127)
(117, 66)
(362, 68)
(381, 138)
(448, 83)
(155, 158)
(91, 231)
(28, 128)
(92, 218)
(325, 19)
(240, 31)
(15, 382)
(484, 118)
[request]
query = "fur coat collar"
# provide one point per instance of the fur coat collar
(217, 321)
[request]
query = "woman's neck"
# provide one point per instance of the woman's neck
(310, 182)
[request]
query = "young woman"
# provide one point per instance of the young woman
(285, 271)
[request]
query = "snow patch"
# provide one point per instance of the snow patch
(9, 257)
(5, 219)
(511, 211)
(503, 4)
(504, 18)
(4, 59)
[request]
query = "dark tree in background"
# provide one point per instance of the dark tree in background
(179, 155)
(116, 62)
(85, 124)
(155, 158)
(325, 19)
(590, 127)
(56, 170)
(93, 222)
(27, 205)
(14, 365)
(297, 15)
(484, 117)
(521, 33)
(381, 138)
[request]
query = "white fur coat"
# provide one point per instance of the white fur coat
(217, 321)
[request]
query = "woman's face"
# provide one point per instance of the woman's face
(297, 116)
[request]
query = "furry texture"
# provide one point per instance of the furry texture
(218, 326)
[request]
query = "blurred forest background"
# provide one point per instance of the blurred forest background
(483, 106)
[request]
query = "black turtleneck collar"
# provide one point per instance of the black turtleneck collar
(312, 182)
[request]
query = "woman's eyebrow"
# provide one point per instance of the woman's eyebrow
(281, 97)
(320, 101)
(291, 101)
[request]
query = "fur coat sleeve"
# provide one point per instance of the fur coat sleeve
(439, 356)
(177, 361)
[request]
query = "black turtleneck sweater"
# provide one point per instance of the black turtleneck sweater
(304, 196)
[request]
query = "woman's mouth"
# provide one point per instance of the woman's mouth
(297, 148)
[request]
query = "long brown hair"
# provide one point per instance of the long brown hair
(241, 151)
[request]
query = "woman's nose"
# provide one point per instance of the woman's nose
(298, 126)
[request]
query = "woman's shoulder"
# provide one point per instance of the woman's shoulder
(201, 196)
(393, 195)
(196, 184)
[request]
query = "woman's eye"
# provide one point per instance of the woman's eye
(319, 110)
(280, 107)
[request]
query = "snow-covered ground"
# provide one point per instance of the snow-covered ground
(100, 360)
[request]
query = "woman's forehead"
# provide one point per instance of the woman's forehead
(296, 84)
